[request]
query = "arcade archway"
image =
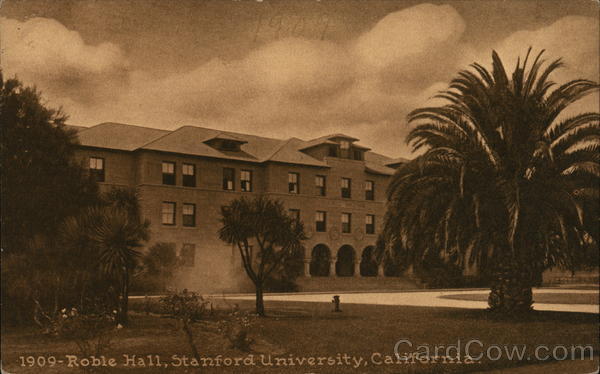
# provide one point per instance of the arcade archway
(319, 261)
(344, 267)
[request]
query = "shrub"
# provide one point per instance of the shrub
(236, 328)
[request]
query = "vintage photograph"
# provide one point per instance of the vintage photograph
(300, 186)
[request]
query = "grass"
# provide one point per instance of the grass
(551, 298)
(312, 329)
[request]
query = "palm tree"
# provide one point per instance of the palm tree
(266, 238)
(111, 235)
(504, 183)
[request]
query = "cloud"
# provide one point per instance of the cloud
(573, 39)
(289, 87)
(44, 52)
(414, 32)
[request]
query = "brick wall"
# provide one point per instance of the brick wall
(216, 262)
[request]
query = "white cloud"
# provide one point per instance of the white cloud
(42, 51)
(290, 87)
(575, 39)
(413, 32)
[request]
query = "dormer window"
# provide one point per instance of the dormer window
(226, 143)
(344, 145)
(358, 154)
(333, 151)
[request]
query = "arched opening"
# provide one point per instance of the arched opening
(344, 267)
(319, 261)
(368, 265)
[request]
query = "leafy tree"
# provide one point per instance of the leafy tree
(265, 236)
(505, 183)
(41, 183)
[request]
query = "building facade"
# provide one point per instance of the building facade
(333, 184)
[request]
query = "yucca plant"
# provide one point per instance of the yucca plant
(505, 184)
(109, 238)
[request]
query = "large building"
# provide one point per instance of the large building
(333, 184)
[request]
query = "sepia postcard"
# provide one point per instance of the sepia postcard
(300, 186)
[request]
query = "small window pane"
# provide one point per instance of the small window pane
(370, 224)
(370, 190)
(97, 169)
(189, 215)
(346, 222)
(320, 183)
(168, 167)
(346, 187)
(189, 175)
(168, 173)
(321, 221)
(246, 180)
(168, 213)
(228, 179)
(293, 184)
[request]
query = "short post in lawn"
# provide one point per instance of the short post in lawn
(336, 302)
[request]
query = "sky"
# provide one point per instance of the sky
(279, 68)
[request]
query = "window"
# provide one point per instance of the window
(168, 173)
(188, 254)
(189, 215)
(345, 149)
(231, 146)
(293, 183)
(246, 180)
(168, 213)
(295, 214)
(370, 224)
(369, 190)
(333, 151)
(97, 168)
(189, 175)
(321, 184)
(228, 179)
(321, 221)
(358, 155)
(346, 222)
(346, 187)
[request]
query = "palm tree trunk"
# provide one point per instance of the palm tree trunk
(260, 304)
(511, 288)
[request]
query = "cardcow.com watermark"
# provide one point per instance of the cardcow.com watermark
(474, 350)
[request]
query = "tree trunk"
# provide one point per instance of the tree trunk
(124, 320)
(510, 291)
(190, 337)
(260, 305)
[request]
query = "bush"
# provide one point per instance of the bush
(236, 328)
(280, 284)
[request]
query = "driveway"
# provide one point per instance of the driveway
(426, 298)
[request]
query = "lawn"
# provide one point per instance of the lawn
(550, 298)
(311, 330)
